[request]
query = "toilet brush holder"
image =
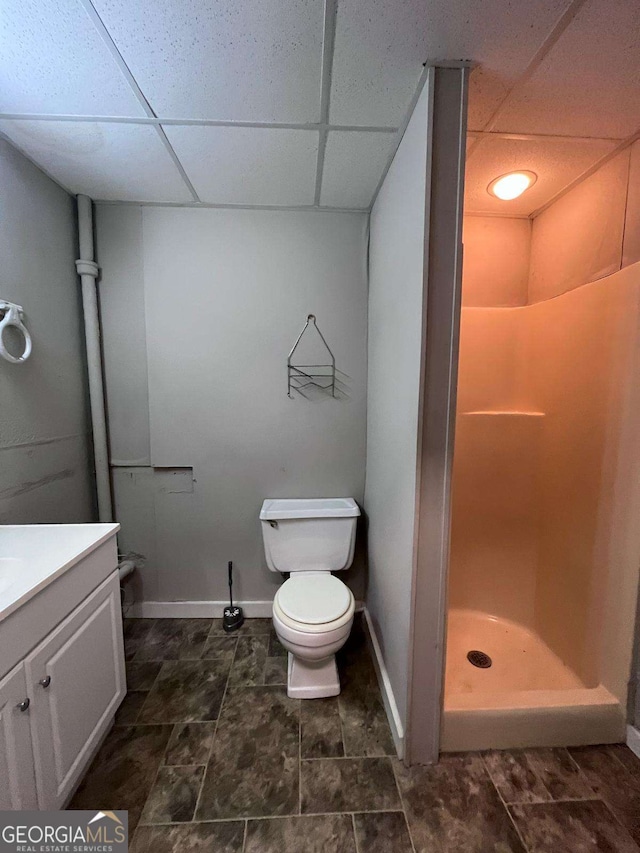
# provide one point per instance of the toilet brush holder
(233, 617)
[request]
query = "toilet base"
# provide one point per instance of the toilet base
(312, 679)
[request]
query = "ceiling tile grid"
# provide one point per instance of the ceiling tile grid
(546, 68)
(248, 165)
(377, 61)
(589, 82)
(381, 47)
(353, 165)
(104, 160)
(222, 59)
(53, 61)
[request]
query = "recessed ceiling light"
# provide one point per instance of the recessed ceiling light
(508, 187)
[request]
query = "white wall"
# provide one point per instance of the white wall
(44, 458)
(219, 297)
(119, 245)
(396, 275)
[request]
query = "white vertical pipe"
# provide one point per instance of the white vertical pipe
(88, 272)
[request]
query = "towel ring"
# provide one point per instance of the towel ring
(13, 317)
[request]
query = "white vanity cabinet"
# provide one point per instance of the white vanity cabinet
(18, 782)
(76, 680)
(62, 650)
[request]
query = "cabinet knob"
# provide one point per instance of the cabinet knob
(45, 682)
(22, 706)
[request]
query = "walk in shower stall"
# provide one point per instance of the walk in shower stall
(545, 538)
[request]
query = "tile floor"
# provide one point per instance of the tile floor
(209, 754)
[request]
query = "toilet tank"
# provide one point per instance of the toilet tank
(305, 535)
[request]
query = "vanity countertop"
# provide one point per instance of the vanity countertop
(32, 556)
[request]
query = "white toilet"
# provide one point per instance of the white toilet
(312, 610)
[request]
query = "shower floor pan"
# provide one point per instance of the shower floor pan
(526, 698)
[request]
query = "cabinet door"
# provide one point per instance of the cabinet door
(17, 779)
(76, 677)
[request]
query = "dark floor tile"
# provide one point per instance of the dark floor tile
(135, 633)
(317, 834)
(173, 796)
(347, 785)
(185, 692)
(514, 777)
(249, 662)
(382, 832)
(260, 720)
(142, 674)
(129, 711)
(190, 743)
(560, 774)
(608, 777)
(225, 837)
(250, 627)
(320, 729)
(253, 770)
(453, 806)
(175, 639)
(571, 827)
(276, 649)
(217, 647)
(626, 757)
(275, 671)
(364, 722)
(612, 782)
(258, 786)
(123, 771)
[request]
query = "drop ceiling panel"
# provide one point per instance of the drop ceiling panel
(556, 162)
(487, 89)
(52, 60)
(381, 46)
(353, 164)
(222, 59)
(241, 165)
(125, 162)
(589, 83)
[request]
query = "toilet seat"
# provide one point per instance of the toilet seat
(314, 603)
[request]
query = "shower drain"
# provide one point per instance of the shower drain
(479, 659)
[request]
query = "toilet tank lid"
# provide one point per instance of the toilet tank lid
(309, 508)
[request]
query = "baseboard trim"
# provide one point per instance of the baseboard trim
(389, 700)
(633, 740)
(201, 609)
(197, 609)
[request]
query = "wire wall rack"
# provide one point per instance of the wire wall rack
(320, 377)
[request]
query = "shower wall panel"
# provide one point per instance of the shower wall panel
(490, 360)
(579, 238)
(544, 490)
(495, 514)
(580, 354)
(495, 272)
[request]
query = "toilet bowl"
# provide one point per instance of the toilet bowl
(312, 610)
(312, 616)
